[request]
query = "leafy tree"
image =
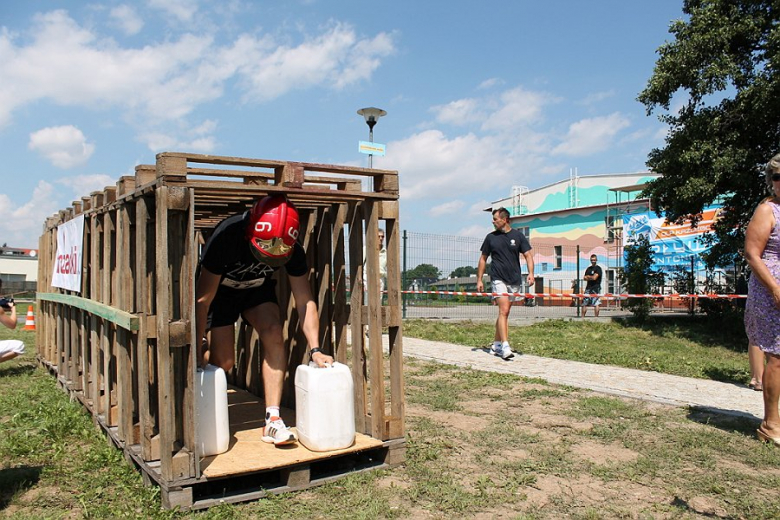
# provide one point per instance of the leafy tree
(426, 273)
(641, 276)
(723, 65)
(462, 272)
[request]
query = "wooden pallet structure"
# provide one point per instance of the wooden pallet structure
(123, 345)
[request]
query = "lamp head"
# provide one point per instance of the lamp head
(371, 115)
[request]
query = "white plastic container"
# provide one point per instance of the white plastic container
(324, 407)
(212, 421)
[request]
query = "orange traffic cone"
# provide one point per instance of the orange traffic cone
(29, 324)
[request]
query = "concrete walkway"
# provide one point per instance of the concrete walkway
(726, 398)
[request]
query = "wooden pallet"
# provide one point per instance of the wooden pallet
(123, 345)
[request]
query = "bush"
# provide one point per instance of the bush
(641, 277)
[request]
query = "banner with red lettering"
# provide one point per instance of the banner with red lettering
(67, 263)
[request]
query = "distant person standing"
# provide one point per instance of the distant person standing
(504, 247)
(762, 310)
(380, 247)
(9, 348)
(593, 275)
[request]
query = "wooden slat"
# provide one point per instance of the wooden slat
(396, 361)
(120, 318)
(359, 366)
(267, 163)
(324, 295)
(376, 355)
(95, 321)
(124, 300)
(143, 304)
(107, 295)
(340, 316)
(165, 358)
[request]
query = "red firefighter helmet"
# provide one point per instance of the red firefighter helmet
(272, 230)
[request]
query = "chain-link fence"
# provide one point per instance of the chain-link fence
(437, 268)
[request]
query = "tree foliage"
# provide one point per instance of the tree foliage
(641, 276)
(425, 273)
(723, 63)
(463, 272)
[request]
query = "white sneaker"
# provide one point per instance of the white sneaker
(277, 432)
(495, 349)
(506, 352)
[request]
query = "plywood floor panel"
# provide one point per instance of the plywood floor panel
(248, 453)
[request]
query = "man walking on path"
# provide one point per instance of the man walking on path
(592, 275)
(504, 247)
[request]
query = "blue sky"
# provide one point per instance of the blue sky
(481, 96)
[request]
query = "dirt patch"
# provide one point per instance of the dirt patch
(598, 453)
(525, 450)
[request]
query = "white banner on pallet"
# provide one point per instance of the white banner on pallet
(67, 263)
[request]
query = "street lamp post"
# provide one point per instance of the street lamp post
(371, 116)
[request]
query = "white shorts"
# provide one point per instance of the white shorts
(11, 345)
(497, 286)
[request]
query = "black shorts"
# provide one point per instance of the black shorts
(229, 303)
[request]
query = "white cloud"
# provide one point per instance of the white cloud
(168, 80)
(596, 97)
(448, 208)
(662, 133)
(489, 83)
(182, 10)
(159, 141)
(160, 82)
(63, 146)
(477, 208)
(21, 226)
(83, 185)
(194, 138)
(434, 165)
(333, 60)
(519, 107)
(476, 230)
(590, 136)
(128, 21)
(460, 112)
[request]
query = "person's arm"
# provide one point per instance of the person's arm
(205, 290)
(481, 272)
(529, 260)
(9, 320)
(756, 237)
(310, 318)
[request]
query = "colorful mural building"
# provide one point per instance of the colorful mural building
(571, 219)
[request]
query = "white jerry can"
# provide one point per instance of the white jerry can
(212, 423)
(324, 407)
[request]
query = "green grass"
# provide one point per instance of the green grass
(689, 347)
(478, 444)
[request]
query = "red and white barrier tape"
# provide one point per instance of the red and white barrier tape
(609, 296)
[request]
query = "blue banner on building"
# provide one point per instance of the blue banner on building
(673, 244)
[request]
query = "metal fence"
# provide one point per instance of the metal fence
(19, 289)
(434, 266)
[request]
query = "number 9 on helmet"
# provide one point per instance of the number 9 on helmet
(272, 230)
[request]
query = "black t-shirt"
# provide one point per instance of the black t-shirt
(505, 249)
(593, 284)
(227, 254)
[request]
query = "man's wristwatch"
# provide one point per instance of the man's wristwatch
(314, 351)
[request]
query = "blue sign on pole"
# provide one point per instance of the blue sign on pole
(371, 148)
